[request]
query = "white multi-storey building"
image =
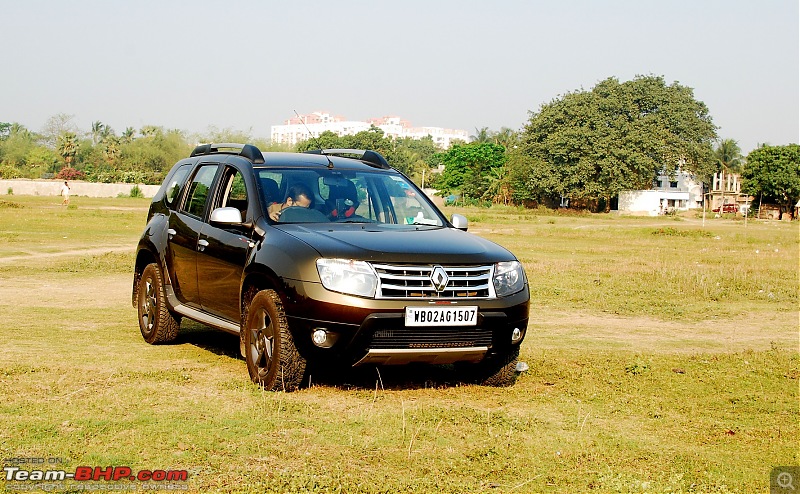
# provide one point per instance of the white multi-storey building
(680, 192)
(305, 126)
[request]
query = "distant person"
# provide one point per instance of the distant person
(65, 194)
(298, 195)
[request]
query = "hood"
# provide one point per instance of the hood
(380, 243)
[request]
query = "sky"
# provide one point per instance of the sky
(246, 65)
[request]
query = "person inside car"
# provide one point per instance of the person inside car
(298, 195)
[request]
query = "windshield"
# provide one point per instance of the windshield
(294, 195)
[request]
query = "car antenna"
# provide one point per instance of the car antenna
(316, 141)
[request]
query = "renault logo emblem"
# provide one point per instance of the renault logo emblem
(439, 278)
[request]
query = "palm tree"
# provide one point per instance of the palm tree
(97, 130)
(68, 146)
(16, 129)
(150, 130)
(506, 137)
(482, 135)
(112, 148)
(729, 160)
(128, 134)
(728, 156)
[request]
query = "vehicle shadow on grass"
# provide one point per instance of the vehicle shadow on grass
(403, 377)
(394, 378)
(215, 341)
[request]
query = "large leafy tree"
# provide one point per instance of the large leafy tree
(773, 172)
(473, 169)
(618, 136)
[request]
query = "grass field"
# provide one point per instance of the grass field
(663, 357)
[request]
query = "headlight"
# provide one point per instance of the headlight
(347, 276)
(508, 278)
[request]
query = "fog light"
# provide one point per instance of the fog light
(516, 335)
(320, 338)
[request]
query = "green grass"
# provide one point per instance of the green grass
(663, 358)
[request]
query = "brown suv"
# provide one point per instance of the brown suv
(364, 271)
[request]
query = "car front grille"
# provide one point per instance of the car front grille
(422, 338)
(417, 282)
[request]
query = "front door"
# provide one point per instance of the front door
(223, 250)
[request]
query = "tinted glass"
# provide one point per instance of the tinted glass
(198, 190)
(176, 183)
(351, 197)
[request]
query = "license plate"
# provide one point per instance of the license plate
(441, 316)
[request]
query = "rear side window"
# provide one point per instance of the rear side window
(199, 190)
(175, 184)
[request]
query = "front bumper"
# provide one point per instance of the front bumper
(373, 331)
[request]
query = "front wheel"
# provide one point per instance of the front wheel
(497, 370)
(272, 358)
(156, 322)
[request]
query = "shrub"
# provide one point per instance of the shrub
(69, 173)
(10, 191)
(674, 232)
(9, 171)
(136, 191)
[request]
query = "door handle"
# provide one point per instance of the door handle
(201, 245)
(171, 233)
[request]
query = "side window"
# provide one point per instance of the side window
(175, 185)
(198, 190)
(234, 194)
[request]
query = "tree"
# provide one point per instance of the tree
(151, 131)
(481, 135)
(16, 144)
(97, 129)
(728, 156)
(412, 157)
(56, 126)
(472, 169)
(774, 172)
(420, 153)
(67, 146)
(618, 136)
(128, 134)
(506, 137)
(213, 134)
(111, 151)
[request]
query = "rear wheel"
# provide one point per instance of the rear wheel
(156, 322)
(272, 358)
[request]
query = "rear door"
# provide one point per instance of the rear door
(184, 232)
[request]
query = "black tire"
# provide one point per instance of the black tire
(156, 322)
(499, 370)
(272, 357)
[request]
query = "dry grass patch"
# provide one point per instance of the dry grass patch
(645, 376)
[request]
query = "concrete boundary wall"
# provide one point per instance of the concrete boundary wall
(77, 188)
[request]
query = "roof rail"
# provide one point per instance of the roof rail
(246, 150)
(372, 157)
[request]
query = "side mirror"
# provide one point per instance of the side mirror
(226, 216)
(459, 221)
